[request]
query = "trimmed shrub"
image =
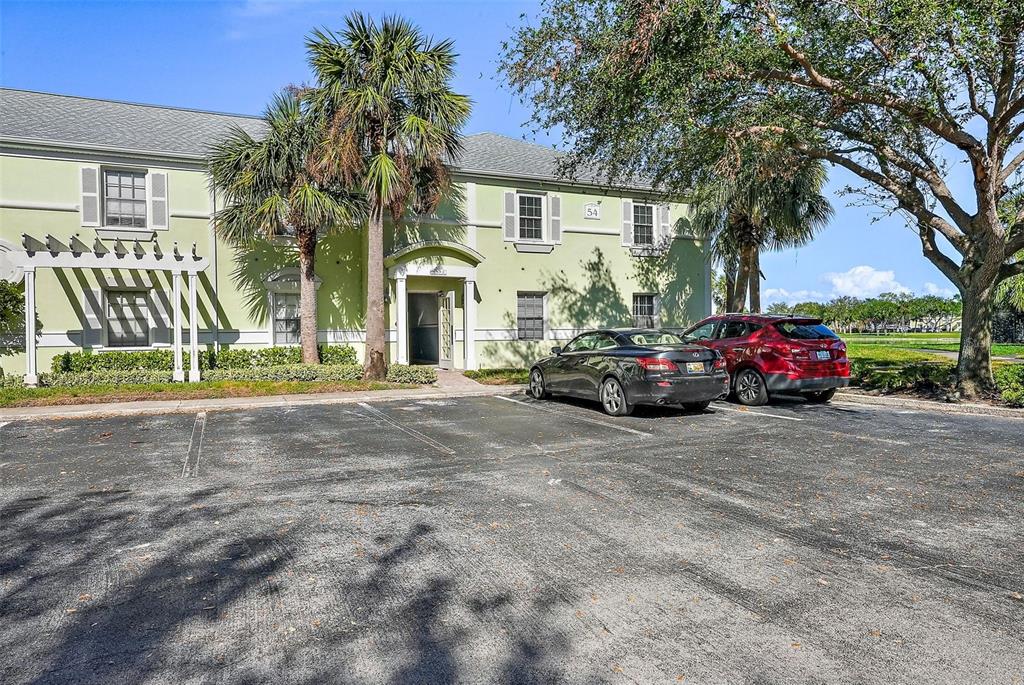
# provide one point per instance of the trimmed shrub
(332, 355)
(400, 373)
(127, 360)
(104, 377)
(7, 381)
(1010, 382)
(288, 372)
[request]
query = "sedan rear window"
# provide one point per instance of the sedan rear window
(655, 338)
(805, 331)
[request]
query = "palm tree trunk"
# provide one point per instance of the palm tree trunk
(307, 297)
(742, 281)
(375, 366)
(755, 279)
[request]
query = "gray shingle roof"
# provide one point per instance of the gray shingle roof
(77, 122)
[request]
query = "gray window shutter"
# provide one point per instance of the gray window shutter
(162, 314)
(510, 215)
(89, 209)
(665, 220)
(555, 218)
(158, 209)
(627, 222)
(92, 315)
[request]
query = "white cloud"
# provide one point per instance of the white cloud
(941, 291)
(792, 297)
(864, 281)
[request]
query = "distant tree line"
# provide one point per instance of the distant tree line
(901, 312)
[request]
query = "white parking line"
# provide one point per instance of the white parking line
(191, 465)
(624, 429)
(751, 412)
(378, 414)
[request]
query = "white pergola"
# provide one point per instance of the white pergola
(75, 254)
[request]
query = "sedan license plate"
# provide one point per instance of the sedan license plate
(822, 355)
(694, 367)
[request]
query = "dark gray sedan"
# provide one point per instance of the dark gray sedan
(624, 367)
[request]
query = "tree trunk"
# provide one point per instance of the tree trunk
(375, 366)
(974, 368)
(730, 284)
(307, 297)
(739, 298)
(755, 279)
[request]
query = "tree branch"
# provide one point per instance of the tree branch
(1011, 167)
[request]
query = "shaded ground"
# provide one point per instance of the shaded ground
(506, 540)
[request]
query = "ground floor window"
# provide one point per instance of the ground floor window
(286, 318)
(127, 319)
(530, 316)
(645, 310)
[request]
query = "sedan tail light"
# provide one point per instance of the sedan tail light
(656, 364)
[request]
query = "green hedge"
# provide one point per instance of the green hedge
(1010, 381)
(288, 372)
(163, 360)
(104, 377)
(400, 373)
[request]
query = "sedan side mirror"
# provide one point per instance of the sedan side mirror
(556, 351)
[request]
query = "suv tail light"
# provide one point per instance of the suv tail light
(656, 364)
(719, 363)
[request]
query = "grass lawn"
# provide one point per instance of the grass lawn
(500, 376)
(36, 397)
(887, 337)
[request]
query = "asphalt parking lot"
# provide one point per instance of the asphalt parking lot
(504, 540)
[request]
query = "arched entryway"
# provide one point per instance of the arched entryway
(430, 278)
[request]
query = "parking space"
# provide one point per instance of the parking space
(495, 539)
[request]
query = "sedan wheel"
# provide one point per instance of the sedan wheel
(537, 390)
(750, 388)
(613, 398)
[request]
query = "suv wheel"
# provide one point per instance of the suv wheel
(820, 397)
(613, 398)
(750, 388)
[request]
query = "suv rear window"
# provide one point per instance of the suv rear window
(805, 331)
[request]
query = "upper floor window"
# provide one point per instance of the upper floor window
(124, 198)
(127, 319)
(645, 310)
(643, 224)
(531, 217)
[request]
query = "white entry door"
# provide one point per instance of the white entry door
(445, 329)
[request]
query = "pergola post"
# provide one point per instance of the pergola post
(402, 318)
(469, 323)
(31, 376)
(193, 330)
(179, 373)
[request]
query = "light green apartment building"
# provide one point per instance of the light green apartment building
(105, 216)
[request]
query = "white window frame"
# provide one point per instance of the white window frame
(654, 225)
(103, 197)
(543, 217)
(543, 314)
(655, 307)
(150, 321)
(280, 282)
(273, 317)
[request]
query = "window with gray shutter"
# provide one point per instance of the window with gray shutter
(127, 319)
(531, 217)
(90, 207)
(645, 310)
(124, 198)
(530, 316)
(643, 224)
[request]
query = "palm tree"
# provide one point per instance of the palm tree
(761, 206)
(270, 189)
(393, 121)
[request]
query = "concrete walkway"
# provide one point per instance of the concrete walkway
(446, 387)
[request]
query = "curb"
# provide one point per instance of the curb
(239, 403)
(930, 405)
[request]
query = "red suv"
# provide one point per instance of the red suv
(768, 354)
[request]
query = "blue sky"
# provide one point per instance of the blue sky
(231, 56)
